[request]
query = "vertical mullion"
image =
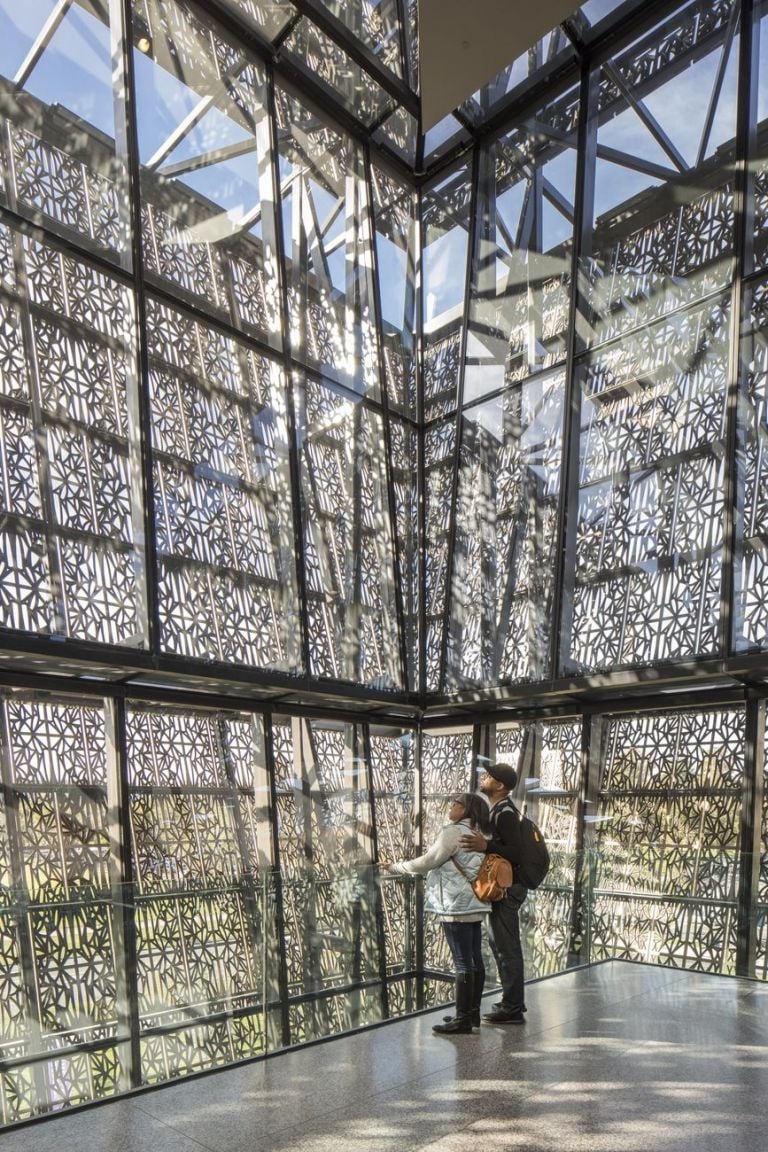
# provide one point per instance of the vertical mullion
(23, 903)
(277, 1030)
(445, 647)
(138, 398)
(568, 500)
(254, 921)
(353, 614)
(750, 839)
(421, 487)
(58, 616)
(381, 934)
(288, 380)
(417, 903)
(580, 937)
(744, 193)
(400, 563)
(123, 880)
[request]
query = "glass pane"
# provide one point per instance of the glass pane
(663, 211)
(439, 452)
(404, 464)
(520, 304)
(595, 11)
(446, 767)
(323, 60)
(399, 133)
(446, 222)
(72, 532)
(395, 229)
(650, 523)
(552, 49)
(448, 134)
(204, 145)
(268, 16)
(412, 41)
(326, 860)
(760, 161)
(668, 838)
(200, 830)
(61, 912)
(62, 142)
(751, 567)
(548, 759)
(505, 544)
(353, 623)
(377, 24)
(393, 774)
(223, 505)
(328, 241)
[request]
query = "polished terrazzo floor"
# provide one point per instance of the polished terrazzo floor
(618, 1058)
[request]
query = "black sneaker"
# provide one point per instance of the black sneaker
(502, 1016)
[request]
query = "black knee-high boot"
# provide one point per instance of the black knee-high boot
(477, 995)
(462, 1022)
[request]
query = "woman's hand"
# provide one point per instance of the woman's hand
(385, 865)
(473, 842)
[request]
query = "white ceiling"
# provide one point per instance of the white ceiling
(464, 43)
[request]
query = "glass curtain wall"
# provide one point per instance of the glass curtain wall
(280, 409)
(181, 888)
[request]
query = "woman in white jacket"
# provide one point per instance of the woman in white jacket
(448, 893)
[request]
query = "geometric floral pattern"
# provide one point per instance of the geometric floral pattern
(274, 411)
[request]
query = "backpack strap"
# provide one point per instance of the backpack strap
(456, 864)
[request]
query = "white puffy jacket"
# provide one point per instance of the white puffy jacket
(447, 893)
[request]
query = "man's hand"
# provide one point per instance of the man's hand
(473, 842)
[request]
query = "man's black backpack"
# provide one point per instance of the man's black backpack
(533, 863)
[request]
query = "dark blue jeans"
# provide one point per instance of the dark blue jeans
(504, 936)
(465, 943)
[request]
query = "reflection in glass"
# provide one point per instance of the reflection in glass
(329, 891)
(504, 548)
(223, 506)
(324, 60)
(353, 622)
(269, 17)
(446, 223)
(393, 776)
(751, 571)
(446, 768)
(404, 448)
(62, 156)
(60, 923)
(395, 230)
(650, 520)
(521, 275)
(72, 532)
(399, 133)
(667, 838)
(204, 145)
(663, 200)
(329, 242)
(548, 759)
(200, 832)
(376, 23)
(439, 452)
